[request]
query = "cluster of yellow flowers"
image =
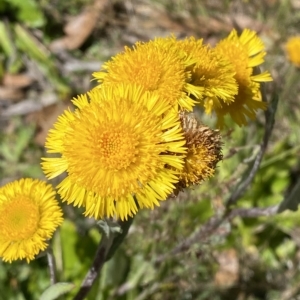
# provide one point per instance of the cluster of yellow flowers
(131, 141)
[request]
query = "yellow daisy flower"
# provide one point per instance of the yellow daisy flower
(203, 152)
(211, 73)
(245, 52)
(29, 215)
(115, 148)
(155, 65)
(293, 50)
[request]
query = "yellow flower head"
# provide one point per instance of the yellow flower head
(245, 52)
(203, 152)
(293, 50)
(211, 74)
(115, 149)
(29, 215)
(155, 65)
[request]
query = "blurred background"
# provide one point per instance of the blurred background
(48, 51)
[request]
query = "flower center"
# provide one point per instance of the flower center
(117, 148)
(19, 219)
(148, 74)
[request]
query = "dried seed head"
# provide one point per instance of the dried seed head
(203, 152)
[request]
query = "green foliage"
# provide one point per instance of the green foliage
(266, 248)
(76, 251)
(5, 42)
(16, 150)
(27, 11)
(35, 51)
(56, 290)
(16, 41)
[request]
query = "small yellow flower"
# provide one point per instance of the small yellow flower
(211, 73)
(115, 148)
(29, 215)
(246, 53)
(155, 65)
(203, 152)
(293, 50)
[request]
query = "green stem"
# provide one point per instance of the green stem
(106, 249)
(118, 240)
(52, 265)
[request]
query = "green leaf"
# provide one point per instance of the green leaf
(28, 12)
(5, 42)
(36, 51)
(31, 46)
(70, 238)
(77, 252)
(23, 139)
(56, 290)
(292, 200)
(14, 146)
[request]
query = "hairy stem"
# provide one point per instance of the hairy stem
(106, 249)
(52, 265)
